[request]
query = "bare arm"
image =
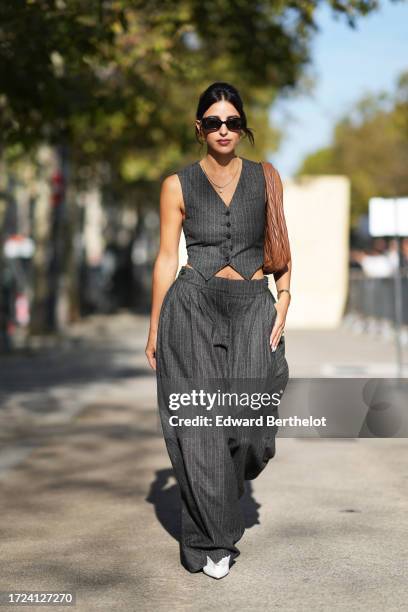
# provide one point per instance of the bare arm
(282, 281)
(166, 264)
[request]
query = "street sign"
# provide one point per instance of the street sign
(388, 216)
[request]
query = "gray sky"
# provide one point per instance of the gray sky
(347, 64)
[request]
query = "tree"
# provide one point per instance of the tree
(370, 145)
(112, 78)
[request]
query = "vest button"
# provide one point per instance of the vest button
(227, 212)
(227, 257)
(228, 224)
(228, 235)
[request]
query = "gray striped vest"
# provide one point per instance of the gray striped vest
(218, 235)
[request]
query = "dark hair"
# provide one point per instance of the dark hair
(222, 91)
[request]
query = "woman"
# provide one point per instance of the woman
(217, 328)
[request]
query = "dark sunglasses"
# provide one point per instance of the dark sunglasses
(213, 124)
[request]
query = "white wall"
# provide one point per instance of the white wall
(317, 210)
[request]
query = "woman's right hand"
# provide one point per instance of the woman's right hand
(150, 349)
(166, 264)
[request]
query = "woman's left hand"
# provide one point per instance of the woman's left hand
(279, 325)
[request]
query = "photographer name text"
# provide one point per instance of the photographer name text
(260, 421)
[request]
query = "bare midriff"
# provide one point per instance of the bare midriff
(229, 272)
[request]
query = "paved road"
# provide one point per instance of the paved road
(88, 500)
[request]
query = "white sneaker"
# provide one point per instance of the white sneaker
(217, 570)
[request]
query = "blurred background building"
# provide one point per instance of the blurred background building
(92, 122)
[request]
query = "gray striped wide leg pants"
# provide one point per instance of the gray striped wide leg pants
(213, 342)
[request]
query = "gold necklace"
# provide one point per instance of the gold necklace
(221, 187)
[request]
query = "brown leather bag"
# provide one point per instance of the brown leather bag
(276, 246)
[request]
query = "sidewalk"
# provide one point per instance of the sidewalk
(89, 502)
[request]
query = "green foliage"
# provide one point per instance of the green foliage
(119, 80)
(370, 146)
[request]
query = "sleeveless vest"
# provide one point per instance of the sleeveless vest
(218, 235)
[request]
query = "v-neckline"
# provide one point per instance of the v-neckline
(238, 185)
